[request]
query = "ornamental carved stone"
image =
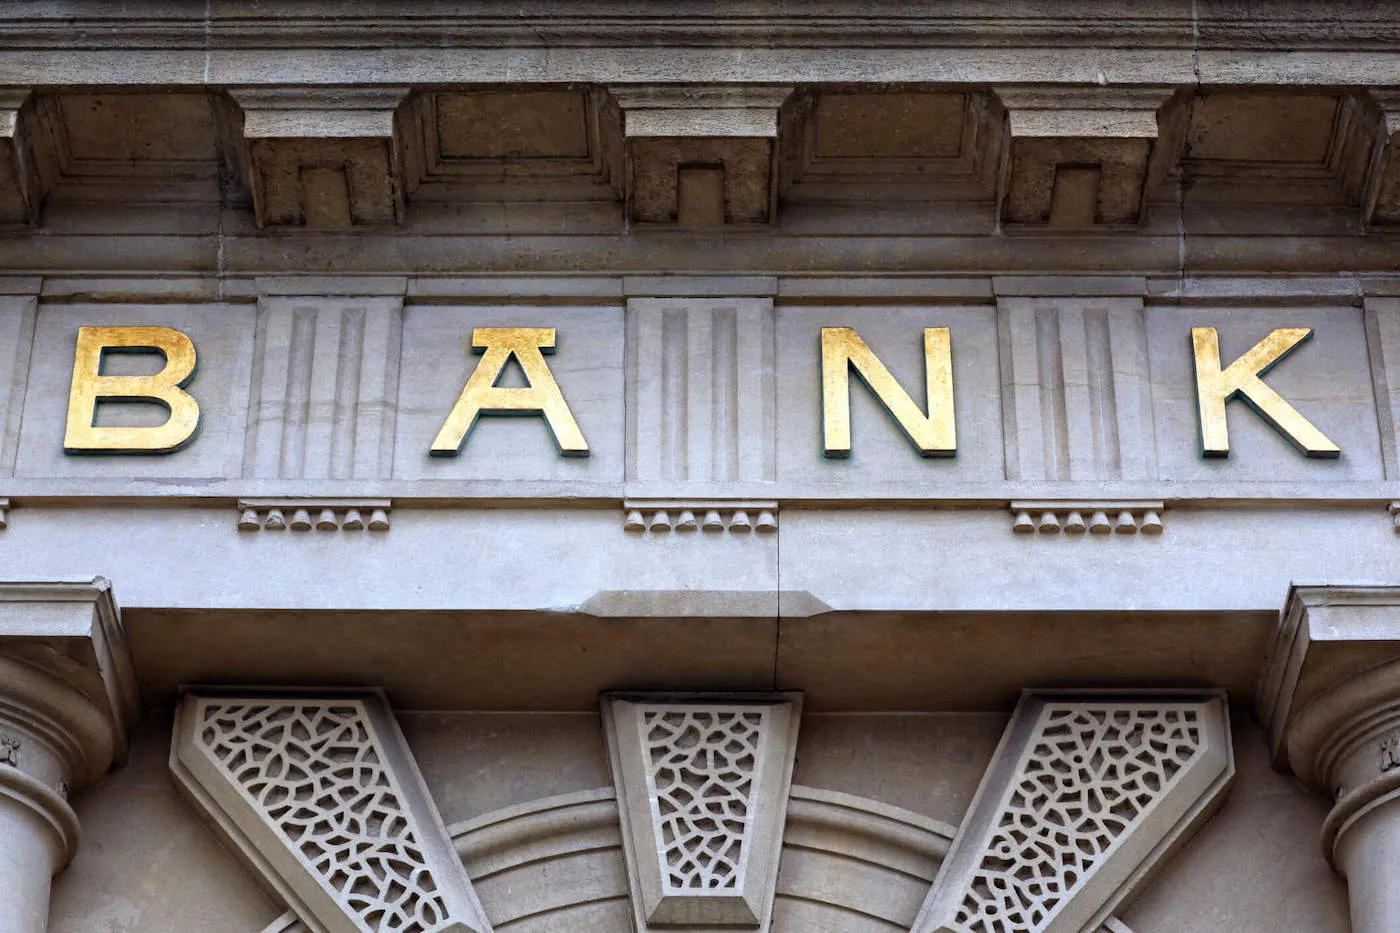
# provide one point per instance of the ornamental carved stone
(320, 794)
(1085, 796)
(703, 784)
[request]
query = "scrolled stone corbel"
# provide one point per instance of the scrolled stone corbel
(703, 782)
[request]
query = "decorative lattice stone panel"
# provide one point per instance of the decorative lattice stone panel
(321, 796)
(1085, 797)
(702, 785)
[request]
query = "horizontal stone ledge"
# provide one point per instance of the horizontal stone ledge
(544, 494)
(792, 288)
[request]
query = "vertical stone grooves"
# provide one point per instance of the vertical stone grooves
(325, 386)
(1007, 368)
(1074, 389)
(378, 393)
(17, 318)
(701, 368)
(257, 378)
(1055, 441)
(1132, 390)
(1382, 331)
(1103, 397)
(272, 367)
(724, 422)
(1073, 381)
(298, 397)
(347, 394)
(673, 395)
(700, 390)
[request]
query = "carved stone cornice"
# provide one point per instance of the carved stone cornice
(325, 157)
(700, 155)
(1079, 156)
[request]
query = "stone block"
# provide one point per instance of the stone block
(702, 784)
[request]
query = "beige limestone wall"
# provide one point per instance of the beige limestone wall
(147, 863)
(1256, 866)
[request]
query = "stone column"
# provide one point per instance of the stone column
(1330, 701)
(68, 700)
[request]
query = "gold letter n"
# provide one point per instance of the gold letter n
(934, 434)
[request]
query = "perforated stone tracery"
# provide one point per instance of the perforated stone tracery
(316, 773)
(1089, 775)
(701, 772)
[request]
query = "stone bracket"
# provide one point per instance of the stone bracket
(327, 158)
(700, 155)
(732, 515)
(1076, 516)
(320, 795)
(1381, 199)
(1087, 795)
(21, 190)
(298, 514)
(1078, 156)
(702, 783)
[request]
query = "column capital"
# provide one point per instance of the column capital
(1329, 697)
(68, 702)
(65, 657)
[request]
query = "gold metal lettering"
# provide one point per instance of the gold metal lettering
(166, 388)
(1241, 379)
(482, 396)
(934, 434)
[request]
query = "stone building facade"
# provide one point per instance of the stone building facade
(951, 481)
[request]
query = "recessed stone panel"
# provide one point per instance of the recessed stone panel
(880, 453)
(1326, 379)
(1262, 127)
(138, 127)
(513, 125)
(890, 146)
(223, 339)
(900, 125)
(438, 358)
